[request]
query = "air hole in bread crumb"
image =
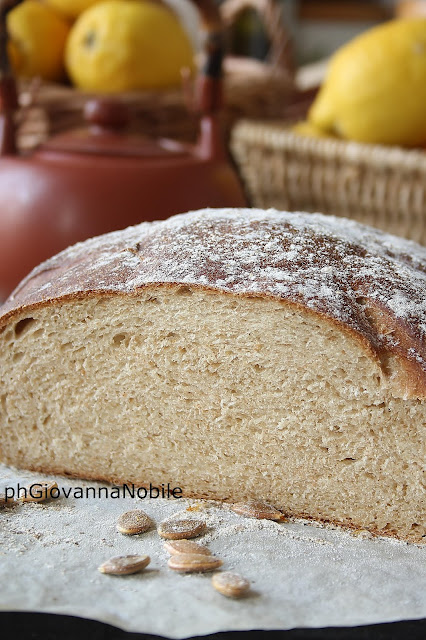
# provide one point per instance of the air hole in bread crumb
(17, 356)
(119, 338)
(22, 325)
(348, 460)
(184, 291)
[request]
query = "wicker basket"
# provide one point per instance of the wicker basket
(381, 186)
(251, 89)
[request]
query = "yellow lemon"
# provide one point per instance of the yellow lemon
(375, 89)
(121, 45)
(37, 40)
(71, 8)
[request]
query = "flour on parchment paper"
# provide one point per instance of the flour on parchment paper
(301, 575)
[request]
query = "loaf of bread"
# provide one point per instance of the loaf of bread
(236, 354)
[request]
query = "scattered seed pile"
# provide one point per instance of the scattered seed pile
(186, 556)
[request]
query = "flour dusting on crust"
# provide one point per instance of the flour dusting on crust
(354, 274)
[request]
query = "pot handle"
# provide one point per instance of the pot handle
(8, 91)
(209, 88)
(209, 83)
(270, 12)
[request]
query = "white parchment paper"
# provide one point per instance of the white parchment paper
(301, 575)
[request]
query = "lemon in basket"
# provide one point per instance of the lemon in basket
(71, 8)
(121, 45)
(375, 89)
(37, 40)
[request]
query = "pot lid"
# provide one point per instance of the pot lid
(105, 135)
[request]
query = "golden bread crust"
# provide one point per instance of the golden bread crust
(369, 282)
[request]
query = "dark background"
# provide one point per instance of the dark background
(41, 626)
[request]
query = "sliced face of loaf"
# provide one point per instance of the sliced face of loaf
(229, 391)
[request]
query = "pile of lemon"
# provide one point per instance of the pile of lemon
(375, 88)
(100, 45)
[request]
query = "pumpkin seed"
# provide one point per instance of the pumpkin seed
(124, 565)
(193, 562)
(175, 547)
(230, 584)
(181, 529)
(257, 509)
(133, 522)
(39, 491)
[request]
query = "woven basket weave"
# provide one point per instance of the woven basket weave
(252, 88)
(381, 186)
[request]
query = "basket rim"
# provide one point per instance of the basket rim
(276, 135)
